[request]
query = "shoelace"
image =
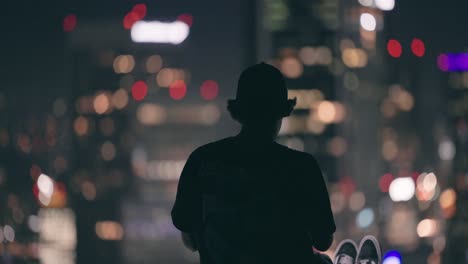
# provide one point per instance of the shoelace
(345, 259)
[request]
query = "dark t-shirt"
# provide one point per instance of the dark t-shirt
(282, 193)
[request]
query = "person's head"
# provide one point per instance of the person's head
(261, 99)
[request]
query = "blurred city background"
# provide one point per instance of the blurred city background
(101, 102)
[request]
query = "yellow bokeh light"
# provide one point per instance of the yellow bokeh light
(291, 67)
(354, 58)
(120, 98)
(315, 126)
(81, 126)
(124, 64)
(306, 99)
(427, 228)
(101, 103)
(154, 63)
(448, 198)
(109, 230)
(167, 76)
(326, 112)
(389, 150)
(151, 114)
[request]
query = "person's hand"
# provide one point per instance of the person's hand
(189, 241)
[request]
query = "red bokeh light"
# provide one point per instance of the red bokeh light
(186, 18)
(69, 23)
(130, 19)
(418, 48)
(347, 186)
(394, 48)
(177, 90)
(209, 90)
(139, 90)
(138, 13)
(385, 181)
(35, 190)
(139, 10)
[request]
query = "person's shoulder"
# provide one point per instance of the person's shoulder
(212, 147)
(299, 156)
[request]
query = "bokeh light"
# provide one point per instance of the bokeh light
(326, 112)
(392, 257)
(124, 64)
(209, 90)
(443, 62)
(427, 228)
(139, 90)
(8, 233)
(291, 67)
(365, 218)
(109, 230)
(448, 198)
(357, 200)
(354, 58)
(186, 18)
(368, 22)
(88, 190)
(385, 181)
(101, 103)
(417, 47)
(81, 126)
(177, 90)
(137, 13)
(154, 63)
(159, 32)
(446, 150)
(385, 5)
(402, 189)
(366, 2)
(45, 186)
(394, 48)
(210, 114)
(167, 76)
(389, 150)
(108, 151)
(120, 98)
(151, 114)
(140, 10)
(69, 23)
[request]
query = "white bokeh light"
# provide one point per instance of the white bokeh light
(402, 189)
(159, 32)
(366, 2)
(385, 5)
(447, 150)
(391, 260)
(9, 233)
(45, 184)
(368, 22)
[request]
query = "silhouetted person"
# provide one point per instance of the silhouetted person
(247, 199)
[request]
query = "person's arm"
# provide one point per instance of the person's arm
(318, 217)
(186, 213)
(189, 241)
(322, 244)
